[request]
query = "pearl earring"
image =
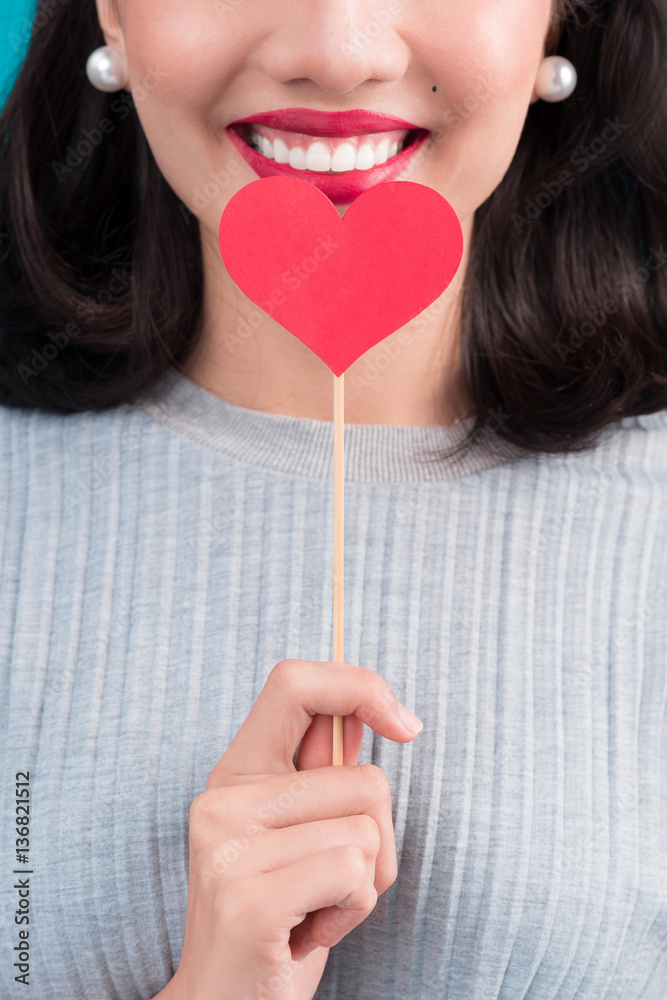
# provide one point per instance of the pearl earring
(556, 79)
(106, 68)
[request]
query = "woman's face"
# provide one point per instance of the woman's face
(195, 66)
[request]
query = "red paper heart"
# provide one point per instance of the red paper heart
(340, 285)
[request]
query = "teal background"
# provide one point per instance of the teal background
(16, 17)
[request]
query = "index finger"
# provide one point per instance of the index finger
(294, 692)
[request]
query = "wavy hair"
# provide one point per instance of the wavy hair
(564, 307)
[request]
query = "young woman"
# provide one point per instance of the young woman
(166, 453)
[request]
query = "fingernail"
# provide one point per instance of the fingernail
(410, 720)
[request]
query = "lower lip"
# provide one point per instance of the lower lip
(339, 188)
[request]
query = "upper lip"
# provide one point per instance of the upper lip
(311, 122)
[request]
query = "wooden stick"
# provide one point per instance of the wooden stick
(339, 474)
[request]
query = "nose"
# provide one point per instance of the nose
(336, 45)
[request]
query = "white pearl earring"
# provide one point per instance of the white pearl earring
(556, 79)
(106, 68)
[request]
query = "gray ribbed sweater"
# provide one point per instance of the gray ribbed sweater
(159, 559)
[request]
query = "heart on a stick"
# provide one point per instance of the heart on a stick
(340, 285)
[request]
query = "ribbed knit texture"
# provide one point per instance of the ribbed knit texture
(159, 559)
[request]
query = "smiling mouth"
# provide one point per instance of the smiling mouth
(326, 154)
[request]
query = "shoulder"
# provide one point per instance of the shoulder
(633, 447)
(33, 429)
(39, 448)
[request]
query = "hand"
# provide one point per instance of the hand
(284, 860)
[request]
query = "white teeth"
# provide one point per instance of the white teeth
(280, 151)
(297, 158)
(382, 152)
(344, 157)
(365, 157)
(318, 157)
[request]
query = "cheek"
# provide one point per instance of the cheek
(184, 47)
(190, 43)
(487, 69)
(489, 54)
(195, 48)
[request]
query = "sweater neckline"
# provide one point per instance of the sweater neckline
(378, 453)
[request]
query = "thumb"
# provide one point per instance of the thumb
(316, 747)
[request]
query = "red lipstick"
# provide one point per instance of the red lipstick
(309, 122)
(343, 187)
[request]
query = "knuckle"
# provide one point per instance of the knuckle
(353, 860)
(286, 672)
(366, 831)
(375, 780)
(200, 811)
(206, 805)
(370, 898)
(205, 811)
